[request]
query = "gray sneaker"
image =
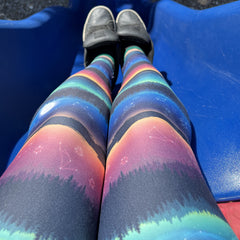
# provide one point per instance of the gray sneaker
(99, 34)
(132, 31)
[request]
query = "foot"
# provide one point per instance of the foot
(99, 34)
(132, 31)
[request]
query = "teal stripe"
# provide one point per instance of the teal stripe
(147, 78)
(82, 86)
(195, 225)
(102, 58)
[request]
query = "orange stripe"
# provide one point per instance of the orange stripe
(133, 50)
(95, 78)
(108, 58)
(137, 70)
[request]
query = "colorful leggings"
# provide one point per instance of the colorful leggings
(153, 187)
(52, 190)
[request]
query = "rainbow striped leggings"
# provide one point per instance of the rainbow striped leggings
(92, 169)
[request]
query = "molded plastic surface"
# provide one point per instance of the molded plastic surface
(231, 211)
(37, 54)
(198, 51)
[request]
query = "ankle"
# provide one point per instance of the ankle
(97, 51)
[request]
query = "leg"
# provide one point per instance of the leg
(153, 187)
(52, 189)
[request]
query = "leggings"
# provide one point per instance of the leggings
(52, 189)
(153, 187)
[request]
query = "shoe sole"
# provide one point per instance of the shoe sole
(130, 10)
(84, 27)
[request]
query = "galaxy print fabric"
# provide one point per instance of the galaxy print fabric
(153, 187)
(53, 188)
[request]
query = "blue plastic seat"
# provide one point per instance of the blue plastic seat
(199, 51)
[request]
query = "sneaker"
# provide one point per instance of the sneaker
(132, 31)
(99, 34)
